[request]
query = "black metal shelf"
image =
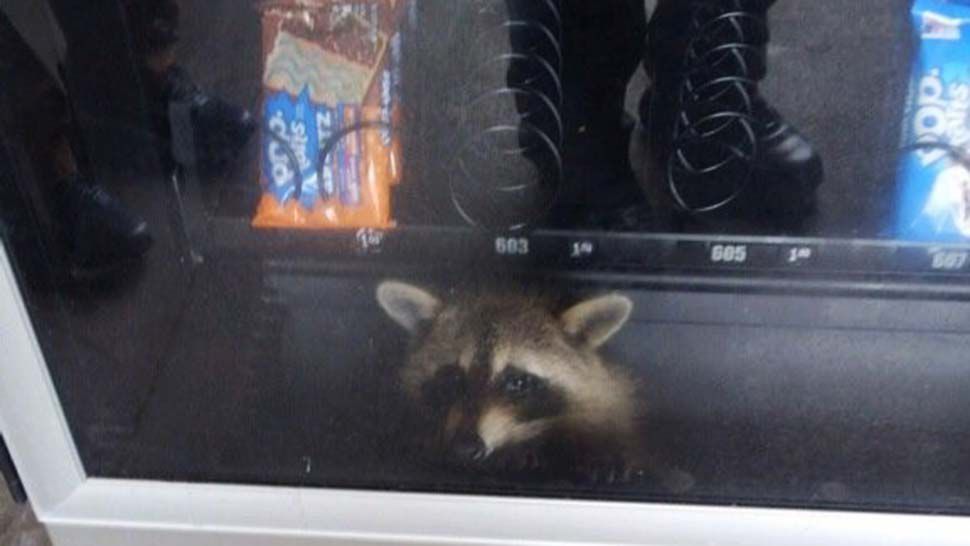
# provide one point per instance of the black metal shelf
(643, 253)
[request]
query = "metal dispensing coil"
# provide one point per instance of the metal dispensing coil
(508, 165)
(715, 137)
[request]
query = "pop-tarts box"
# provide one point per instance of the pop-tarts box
(934, 184)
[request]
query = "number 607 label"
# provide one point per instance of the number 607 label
(949, 260)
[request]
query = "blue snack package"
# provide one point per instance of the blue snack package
(934, 184)
(293, 126)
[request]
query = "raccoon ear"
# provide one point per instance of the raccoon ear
(407, 304)
(596, 320)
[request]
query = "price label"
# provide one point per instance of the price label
(370, 241)
(581, 250)
(799, 255)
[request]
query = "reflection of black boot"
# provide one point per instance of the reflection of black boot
(720, 150)
(605, 193)
(219, 129)
(100, 233)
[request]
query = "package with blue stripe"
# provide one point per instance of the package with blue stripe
(934, 186)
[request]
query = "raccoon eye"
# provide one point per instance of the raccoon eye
(520, 384)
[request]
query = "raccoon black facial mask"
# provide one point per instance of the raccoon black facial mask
(533, 397)
(501, 372)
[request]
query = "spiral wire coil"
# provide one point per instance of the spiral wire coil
(715, 134)
(508, 167)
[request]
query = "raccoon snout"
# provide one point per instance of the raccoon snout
(469, 447)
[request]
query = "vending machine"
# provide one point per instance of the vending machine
(678, 272)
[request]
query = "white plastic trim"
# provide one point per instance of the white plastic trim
(130, 513)
(99, 512)
(31, 419)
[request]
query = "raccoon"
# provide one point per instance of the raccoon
(509, 385)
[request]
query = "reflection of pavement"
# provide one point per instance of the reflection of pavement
(18, 527)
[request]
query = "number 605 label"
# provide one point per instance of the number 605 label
(729, 254)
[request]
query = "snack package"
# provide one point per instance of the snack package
(330, 151)
(934, 185)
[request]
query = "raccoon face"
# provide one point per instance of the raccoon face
(479, 414)
(496, 373)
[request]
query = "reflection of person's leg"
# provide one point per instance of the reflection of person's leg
(154, 30)
(706, 59)
(96, 230)
(37, 108)
(602, 43)
(220, 128)
(600, 46)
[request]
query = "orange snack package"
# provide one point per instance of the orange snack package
(330, 148)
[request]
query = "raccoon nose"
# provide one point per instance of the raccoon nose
(469, 447)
